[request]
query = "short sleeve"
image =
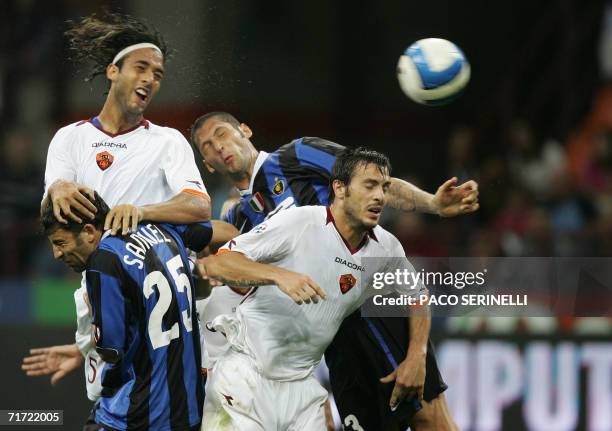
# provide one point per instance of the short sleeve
(180, 168)
(195, 236)
(272, 240)
(60, 165)
(397, 260)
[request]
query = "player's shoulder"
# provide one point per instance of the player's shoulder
(388, 242)
(64, 134)
(305, 143)
(301, 216)
(106, 258)
(168, 133)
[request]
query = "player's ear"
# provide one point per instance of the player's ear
(111, 72)
(89, 233)
(208, 166)
(339, 189)
(246, 130)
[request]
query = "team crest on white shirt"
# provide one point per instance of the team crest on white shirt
(347, 282)
(104, 160)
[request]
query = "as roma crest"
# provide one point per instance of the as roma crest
(104, 160)
(279, 187)
(347, 281)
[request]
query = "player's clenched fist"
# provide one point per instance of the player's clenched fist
(67, 197)
(123, 217)
(299, 287)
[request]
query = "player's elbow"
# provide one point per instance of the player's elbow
(200, 208)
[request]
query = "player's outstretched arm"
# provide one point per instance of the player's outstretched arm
(56, 360)
(235, 269)
(409, 376)
(184, 208)
(450, 199)
(68, 196)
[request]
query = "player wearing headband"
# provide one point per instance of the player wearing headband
(143, 171)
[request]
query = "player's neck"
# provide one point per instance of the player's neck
(114, 120)
(352, 232)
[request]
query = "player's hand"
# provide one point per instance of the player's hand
(409, 380)
(124, 218)
(300, 287)
(57, 361)
(451, 200)
(67, 196)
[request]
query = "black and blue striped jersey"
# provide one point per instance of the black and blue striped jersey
(146, 328)
(296, 174)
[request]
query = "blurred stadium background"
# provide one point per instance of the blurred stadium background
(534, 128)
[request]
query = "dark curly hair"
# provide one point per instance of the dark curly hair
(98, 40)
(49, 223)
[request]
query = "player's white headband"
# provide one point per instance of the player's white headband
(125, 51)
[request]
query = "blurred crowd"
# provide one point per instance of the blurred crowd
(538, 197)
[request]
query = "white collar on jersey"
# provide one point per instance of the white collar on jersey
(261, 157)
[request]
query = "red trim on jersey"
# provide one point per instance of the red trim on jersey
(142, 122)
(370, 233)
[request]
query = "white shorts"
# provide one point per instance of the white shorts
(239, 398)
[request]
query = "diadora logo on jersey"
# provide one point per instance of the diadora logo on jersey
(257, 203)
(228, 398)
(104, 160)
(196, 183)
(109, 145)
(347, 282)
(349, 264)
(279, 186)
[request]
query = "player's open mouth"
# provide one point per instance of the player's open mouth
(228, 159)
(142, 93)
(375, 210)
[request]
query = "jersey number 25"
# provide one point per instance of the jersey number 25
(158, 336)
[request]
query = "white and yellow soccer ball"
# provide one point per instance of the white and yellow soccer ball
(433, 71)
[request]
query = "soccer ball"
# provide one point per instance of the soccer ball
(433, 71)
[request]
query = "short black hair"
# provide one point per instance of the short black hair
(346, 162)
(199, 122)
(49, 223)
(99, 39)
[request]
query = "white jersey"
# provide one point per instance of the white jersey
(222, 300)
(286, 341)
(145, 165)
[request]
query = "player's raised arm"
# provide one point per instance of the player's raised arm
(190, 204)
(235, 269)
(450, 200)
